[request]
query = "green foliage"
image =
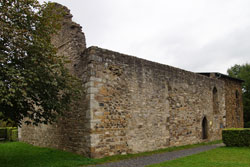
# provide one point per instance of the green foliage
(3, 132)
(7, 123)
(219, 157)
(9, 133)
(236, 137)
(34, 82)
(14, 136)
(247, 124)
(243, 72)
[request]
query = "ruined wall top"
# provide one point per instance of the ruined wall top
(70, 40)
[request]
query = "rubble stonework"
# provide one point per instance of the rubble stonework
(133, 105)
(233, 99)
(234, 106)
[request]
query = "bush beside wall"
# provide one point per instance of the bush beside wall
(247, 124)
(237, 137)
(9, 133)
(3, 132)
(14, 136)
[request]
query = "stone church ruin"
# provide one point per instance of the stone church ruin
(133, 105)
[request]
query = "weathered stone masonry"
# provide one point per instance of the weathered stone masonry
(139, 105)
(133, 105)
(233, 99)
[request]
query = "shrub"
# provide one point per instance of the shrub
(8, 123)
(3, 132)
(247, 124)
(9, 133)
(14, 136)
(237, 137)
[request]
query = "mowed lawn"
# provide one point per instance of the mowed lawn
(17, 154)
(219, 157)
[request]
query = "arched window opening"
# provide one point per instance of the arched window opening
(215, 101)
(204, 128)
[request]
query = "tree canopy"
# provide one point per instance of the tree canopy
(34, 82)
(243, 72)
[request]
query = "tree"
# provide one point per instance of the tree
(34, 82)
(243, 72)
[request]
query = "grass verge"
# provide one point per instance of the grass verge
(25, 155)
(219, 157)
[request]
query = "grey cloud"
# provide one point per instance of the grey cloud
(220, 54)
(196, 35)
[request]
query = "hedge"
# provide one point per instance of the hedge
(9, 133)
(3, 132)
(236, 137)
(14, 136)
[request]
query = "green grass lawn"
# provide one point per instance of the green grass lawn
(17, 154)
(219, 157)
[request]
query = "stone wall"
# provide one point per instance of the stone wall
(233, 99)
(70, 132)
(138, 105)
(133, 105)
(234, 106)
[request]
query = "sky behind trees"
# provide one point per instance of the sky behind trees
(195, 35)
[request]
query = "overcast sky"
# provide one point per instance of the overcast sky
(195, 35)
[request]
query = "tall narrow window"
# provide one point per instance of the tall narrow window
(215, 101)
(204, 128)
(237, 101)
